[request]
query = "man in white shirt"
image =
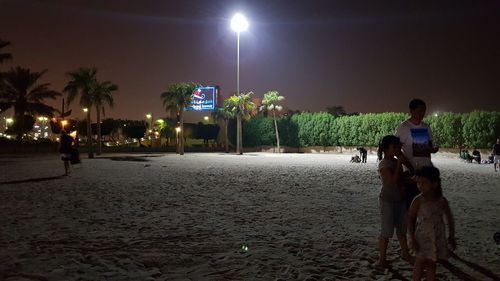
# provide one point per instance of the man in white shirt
(416, 136)
(416, 140)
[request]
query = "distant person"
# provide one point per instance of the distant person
(75, 154)
(65, 148)
(355, 159)
(466, 156)
(496, 155)
(416, 138)
(427, 227)
(391, 199)
(476, 155)
(363, 154)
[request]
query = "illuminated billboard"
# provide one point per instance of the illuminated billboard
(203, 98)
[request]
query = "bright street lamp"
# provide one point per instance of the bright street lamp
(85, 110)
(239, 23)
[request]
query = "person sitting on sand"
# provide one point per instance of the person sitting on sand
(466, 156)
(427, 227)
(391, 199)
(476, 155)
(355, 159)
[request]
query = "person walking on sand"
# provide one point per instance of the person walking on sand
(416, 138)
(65, 148)
(427, 227)
(496, 155)
(391, 199)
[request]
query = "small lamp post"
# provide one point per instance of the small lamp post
(64, 123)
(8, 121)
(177, 130)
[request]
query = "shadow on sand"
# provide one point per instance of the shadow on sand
(140, 158)
(33, 180)
(464, 276)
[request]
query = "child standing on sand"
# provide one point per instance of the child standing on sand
(427, 227)
(391, 198)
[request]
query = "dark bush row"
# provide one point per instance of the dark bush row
(478, 129)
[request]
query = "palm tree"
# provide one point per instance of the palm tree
(83, 82)
(102, 95)
(224, 113)
(175, 99)
(270, 102)
(4, 56)
(241, 106)
(19, 89)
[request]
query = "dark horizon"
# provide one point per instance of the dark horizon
(365, 56)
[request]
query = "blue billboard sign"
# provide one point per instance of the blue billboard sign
(203, 98)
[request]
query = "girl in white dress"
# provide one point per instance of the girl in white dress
(427, 226)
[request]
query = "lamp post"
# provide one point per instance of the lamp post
(177, 130)
(149, 116)
(7, 122)
(238, 23)
(63, 124)
(43, 121)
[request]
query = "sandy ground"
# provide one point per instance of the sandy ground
(224, 217)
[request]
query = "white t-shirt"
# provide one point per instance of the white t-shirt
(417, 143)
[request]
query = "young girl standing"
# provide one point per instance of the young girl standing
(427, 227)
(391, 198)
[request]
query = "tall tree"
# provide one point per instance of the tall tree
(19, 89)
(242, 107)
(82, 83)
(102, 95)
(175, 99)
(4, 56)
(271, 102)
(223, 114)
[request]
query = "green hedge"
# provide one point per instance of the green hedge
(478, 129)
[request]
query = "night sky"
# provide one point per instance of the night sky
(368, 56)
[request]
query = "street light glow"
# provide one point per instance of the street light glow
(148, 116)
(177, 129)
(239, 23)
(9, 120)
(85, 110)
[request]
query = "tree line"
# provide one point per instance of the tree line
(477, 129)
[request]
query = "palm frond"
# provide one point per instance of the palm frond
(20, 89)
